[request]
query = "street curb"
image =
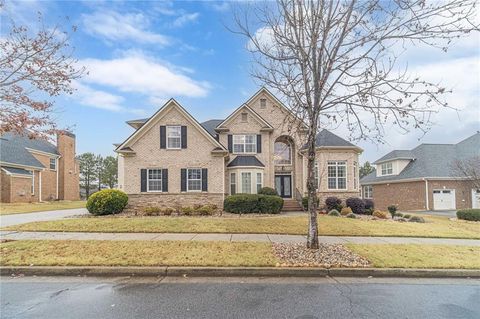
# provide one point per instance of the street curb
(235, 272)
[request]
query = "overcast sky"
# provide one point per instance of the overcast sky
(139, 54)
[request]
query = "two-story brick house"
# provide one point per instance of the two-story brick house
(173, 160)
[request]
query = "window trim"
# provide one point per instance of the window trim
(242, 184)
(337, 165)
(156, 179)
(168, 147)
(194, 179)
(55, 164)
(244, 143)
(386, 169)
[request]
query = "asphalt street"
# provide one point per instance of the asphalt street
(76, 297)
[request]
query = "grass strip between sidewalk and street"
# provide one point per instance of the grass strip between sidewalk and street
(435, 227)
(217, 254)
(23, 208)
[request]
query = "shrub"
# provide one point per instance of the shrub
(206, 210)
(469, 214)
(168, 211)
(369, 204)
(346, 211)
(399, 215)
(305, 202)
(380, 214)
(267, 191)
(187, 211)
(416, 219)
(352, 215)
(368, 211)
(106, 202)
(356, 204)
(253, 203)
(407, 216)
(392, 209)
(333, 212)
(333, 203)
(152, 211)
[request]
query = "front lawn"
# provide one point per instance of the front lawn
(22, 208)
(436, 227)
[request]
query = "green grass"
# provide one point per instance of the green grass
(436, 227)
(419, 256)
(22, 208)
(135, 253)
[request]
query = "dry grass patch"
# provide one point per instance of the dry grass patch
(22, 208)
(435, 227)
(419, 256)
(135, 253)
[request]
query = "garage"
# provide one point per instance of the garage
(443, 199)
(475, 198)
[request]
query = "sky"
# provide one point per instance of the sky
(140, 54)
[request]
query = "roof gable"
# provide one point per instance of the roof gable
(238, 111)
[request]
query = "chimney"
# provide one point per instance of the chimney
(68, 171)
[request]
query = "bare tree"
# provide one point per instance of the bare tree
(337, 61)
(468, 169)
(35, 67)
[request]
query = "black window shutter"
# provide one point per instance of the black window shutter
(230, 143)
(163, 136)
(204, 180)
(259, 143)
(183, 181)
(184, 137)
(143, 180)
(164, 180)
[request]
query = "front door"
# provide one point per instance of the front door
(283, 185)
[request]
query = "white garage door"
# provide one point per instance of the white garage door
(443, 199)
(475, 198)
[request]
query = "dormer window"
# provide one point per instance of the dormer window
(263, 103)
(244, 117)
(53, 163)
(386, 168)
(174, 137)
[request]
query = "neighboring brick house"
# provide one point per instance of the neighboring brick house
(424, 178)
(172, 160)
(34, 170)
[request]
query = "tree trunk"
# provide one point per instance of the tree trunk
(312, 238)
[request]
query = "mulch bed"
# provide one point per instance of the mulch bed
(327, 256)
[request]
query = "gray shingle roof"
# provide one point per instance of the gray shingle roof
(13, 149)
(326, 138)
(396, 154)
(432, 160)
(210, 126)
(245, 160)
(14, 170)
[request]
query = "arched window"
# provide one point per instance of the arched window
(282, 153)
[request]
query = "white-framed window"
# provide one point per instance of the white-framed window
(246, 182)
(337, 175)
(282, 153)
(387, 168)
(154, 180)
(233, 183)
(194, 180)
(355, 182)
(316, 174)
(53, 163)
(263, 103)
(245, 143)
(32, 188)
(259, 182)
(174, 137)
(368, 191)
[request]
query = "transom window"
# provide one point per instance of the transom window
(387, 168)
(246, 182)
(53, 163)
(154, 180)
(282, 153)
(244, 144)
(174, 137)
(368, 191)
(337, 175)
(194, 179)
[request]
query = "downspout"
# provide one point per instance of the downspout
(426, 194)
(39, 186)
(57, 168)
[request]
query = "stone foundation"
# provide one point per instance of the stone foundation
(173, 200)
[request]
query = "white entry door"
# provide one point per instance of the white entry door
(475, 198)
(443, 199)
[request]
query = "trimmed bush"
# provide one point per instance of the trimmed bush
(469, 214)
(346, 211)
(351, 215)
(399, 215)
(152, 211)
(356, 204)
(267, 191)
(187, 211)
(334, 212)
(107, 202)
(380, 214)
(206, 210)
(168, 211)
(416, 219)
(253, 203)
(369, 204)
(368, 211)
(305, 202)
(392, 209)
(333, 203)
(407, 216)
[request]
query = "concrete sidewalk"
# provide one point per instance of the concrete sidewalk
(14, 235)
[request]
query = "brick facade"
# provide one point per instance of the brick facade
(68, 170)
(173, 200)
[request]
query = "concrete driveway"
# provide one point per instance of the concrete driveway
(15, 219)
(443, 213)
